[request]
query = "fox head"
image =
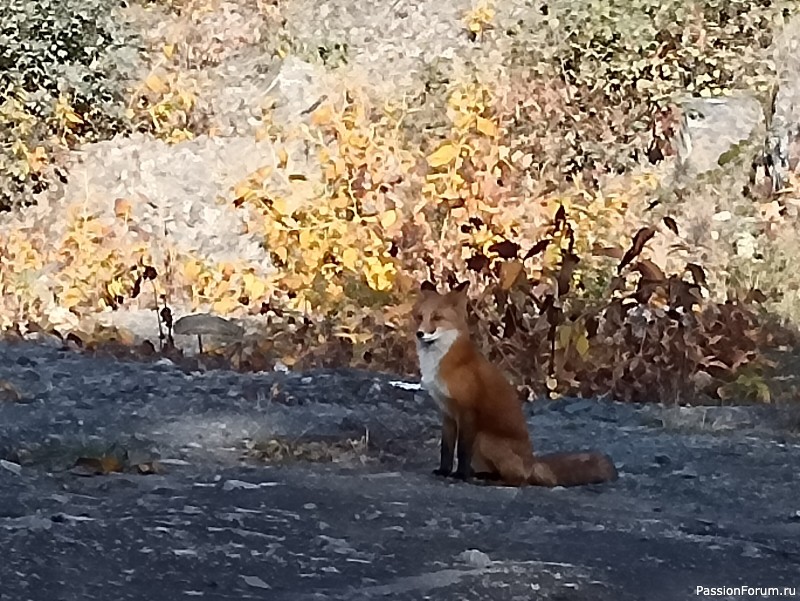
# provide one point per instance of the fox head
(438, 316)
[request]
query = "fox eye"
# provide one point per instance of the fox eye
(436, 316)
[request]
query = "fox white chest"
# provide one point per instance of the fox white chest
(430, 356)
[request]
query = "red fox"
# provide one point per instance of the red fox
(481, 412)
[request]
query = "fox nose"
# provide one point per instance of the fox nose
(420, 334)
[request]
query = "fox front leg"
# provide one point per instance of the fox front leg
(466, 442)
(448, 447)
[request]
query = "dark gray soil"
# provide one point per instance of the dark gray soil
(705, 497)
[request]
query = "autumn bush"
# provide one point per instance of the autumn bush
(545, 189)
(567, 300)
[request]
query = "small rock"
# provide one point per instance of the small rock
(14, 468)
(475, 558)
(662, 460)
(255, 582)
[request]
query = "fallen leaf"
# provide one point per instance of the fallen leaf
(9, 392)
(97, 466)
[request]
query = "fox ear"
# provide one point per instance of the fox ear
(462, 287)
(427, 286)
(458, 295)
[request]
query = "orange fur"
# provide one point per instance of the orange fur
(483, 424)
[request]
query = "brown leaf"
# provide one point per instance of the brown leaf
(569, 262)
(510, 273)
(615, 252)
(137, 287)
(570, 234)
(505, 249)
(478, 262)
(755, 296)
(649, 270)
(683, 294)
(698, 274)
(122, 208)
(537, 248)
(9, 392)
(646, 289)
(671, 224)
(637, 245)
(560, 218)
(509, 322)
(97, 466)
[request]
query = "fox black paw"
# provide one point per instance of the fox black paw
(441, 472)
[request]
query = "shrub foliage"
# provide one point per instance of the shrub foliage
(61, 81)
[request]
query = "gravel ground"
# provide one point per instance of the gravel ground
(704, 497)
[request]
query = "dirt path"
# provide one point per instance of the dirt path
(695, 505)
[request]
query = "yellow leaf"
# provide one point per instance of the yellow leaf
(486, 127)
(389, 218)
(283, 158)
(72, 117)
(243, 192)
(564, 336)
(192, 269)
(280, 206)
(253, 287)
(360, 142)
(293, 281)
(349, 258)
(582, 345)
(169, 50)
(225, 305)
(444, 155)
(155, 83)
(70, 298)
(322, 116)
(340, 202)
(463, 120)
(305, 238)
